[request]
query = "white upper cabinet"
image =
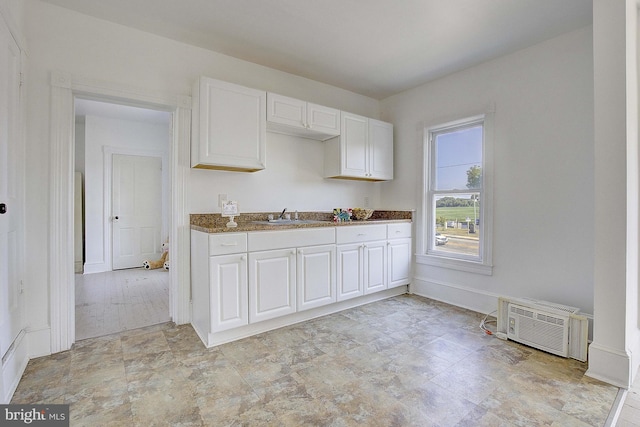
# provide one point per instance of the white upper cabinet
(363, 151)
(380, 150)
(228, 126)
(299, 118)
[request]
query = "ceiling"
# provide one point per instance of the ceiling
(375, 48)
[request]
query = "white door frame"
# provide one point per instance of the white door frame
(108, 153)
(64, 88)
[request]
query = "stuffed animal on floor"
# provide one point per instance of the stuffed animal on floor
(165, 250)
(163, 262)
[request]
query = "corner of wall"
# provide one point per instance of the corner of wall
(38, 342)
(609, 365)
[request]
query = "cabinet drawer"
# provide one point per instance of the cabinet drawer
(227, 243)
(397, 231)
(361, 233)
(267, 240)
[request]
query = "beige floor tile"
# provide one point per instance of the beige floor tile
(404, 361)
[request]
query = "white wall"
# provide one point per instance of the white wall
(292, 180)
(543, 243)
(59, 39)
(125, 137)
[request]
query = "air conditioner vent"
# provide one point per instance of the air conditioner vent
(521, 311)
(550, 319)
(551, 327)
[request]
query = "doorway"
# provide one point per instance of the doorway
(65, 87)
(121, 155)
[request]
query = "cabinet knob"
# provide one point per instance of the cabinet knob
(300, 251)
(243, 257)
(293, 252)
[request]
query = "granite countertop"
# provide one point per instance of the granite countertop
(215, 223)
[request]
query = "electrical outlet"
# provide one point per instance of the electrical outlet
(221, 199)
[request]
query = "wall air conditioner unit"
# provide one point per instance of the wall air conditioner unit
(547, 326)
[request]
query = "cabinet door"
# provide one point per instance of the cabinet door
(316, 276)
(375, 267)
(380, 151)
(399, 252)
(229, 299)
(272, 284)
(349, 266)
(286, 111)
(323, 119)
(354, 141)
(229, 127)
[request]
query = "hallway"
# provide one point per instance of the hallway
(121, 300)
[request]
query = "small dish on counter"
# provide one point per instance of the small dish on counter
(361, 214)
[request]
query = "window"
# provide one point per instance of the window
(457, 198)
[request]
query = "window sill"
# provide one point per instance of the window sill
(455, 264)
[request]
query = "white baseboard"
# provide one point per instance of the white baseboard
(96, 268)
(39, 342)
(14, 363)
(609, 365)
(460, 296)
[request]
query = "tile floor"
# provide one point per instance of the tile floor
(403, 361)
(116, 301)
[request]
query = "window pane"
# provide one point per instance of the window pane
(457, 224)
(458, 159)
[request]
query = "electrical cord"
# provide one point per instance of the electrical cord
(484, 322)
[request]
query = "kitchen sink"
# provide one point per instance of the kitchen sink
(290, 221)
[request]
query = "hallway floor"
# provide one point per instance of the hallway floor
(630, 414)
(120, 300)
(403, 361)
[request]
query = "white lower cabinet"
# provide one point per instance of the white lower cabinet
(362, 269)
(375, 267)
(349, 268)
(219, 289)
(272, 284)
(399, 249)
(362, 260)
(316, 277)
(399, 262)
(228, 293)
(239, 280)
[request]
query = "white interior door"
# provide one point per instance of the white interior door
(10, 191)
(136, 210)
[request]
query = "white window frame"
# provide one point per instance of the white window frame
(427, 254)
